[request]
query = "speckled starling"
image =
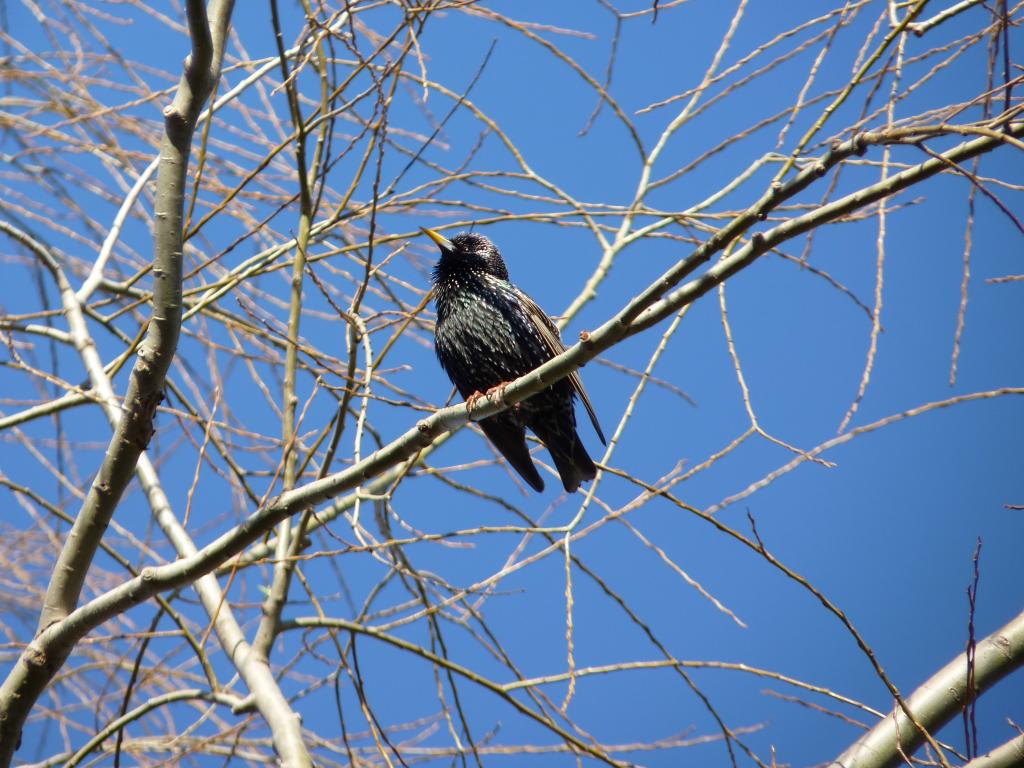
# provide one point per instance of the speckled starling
(488, 333)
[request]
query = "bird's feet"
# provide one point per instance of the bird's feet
(496, 392)
(472, 400)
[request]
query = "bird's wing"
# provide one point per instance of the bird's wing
(549, 333)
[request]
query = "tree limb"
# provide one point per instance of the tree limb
(145, 387)
(940, 699)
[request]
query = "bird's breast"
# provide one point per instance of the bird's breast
(483, 335)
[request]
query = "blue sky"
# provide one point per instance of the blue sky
(887, 533)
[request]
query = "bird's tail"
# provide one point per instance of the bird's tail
(571, 459)
(509, 437)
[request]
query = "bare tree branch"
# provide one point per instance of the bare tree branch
(939, 700)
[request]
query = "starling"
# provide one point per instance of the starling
(488, 333)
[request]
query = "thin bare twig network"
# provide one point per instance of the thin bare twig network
(247, 522)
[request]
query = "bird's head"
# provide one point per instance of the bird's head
(468, 250)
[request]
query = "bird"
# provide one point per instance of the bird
(488, 333)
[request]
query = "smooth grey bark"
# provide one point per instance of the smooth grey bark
(941, 698)
(145, 387)
(1008, 755)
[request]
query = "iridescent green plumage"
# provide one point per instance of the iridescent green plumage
(489, 332)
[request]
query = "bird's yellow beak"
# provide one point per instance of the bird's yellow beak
(443, 242)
